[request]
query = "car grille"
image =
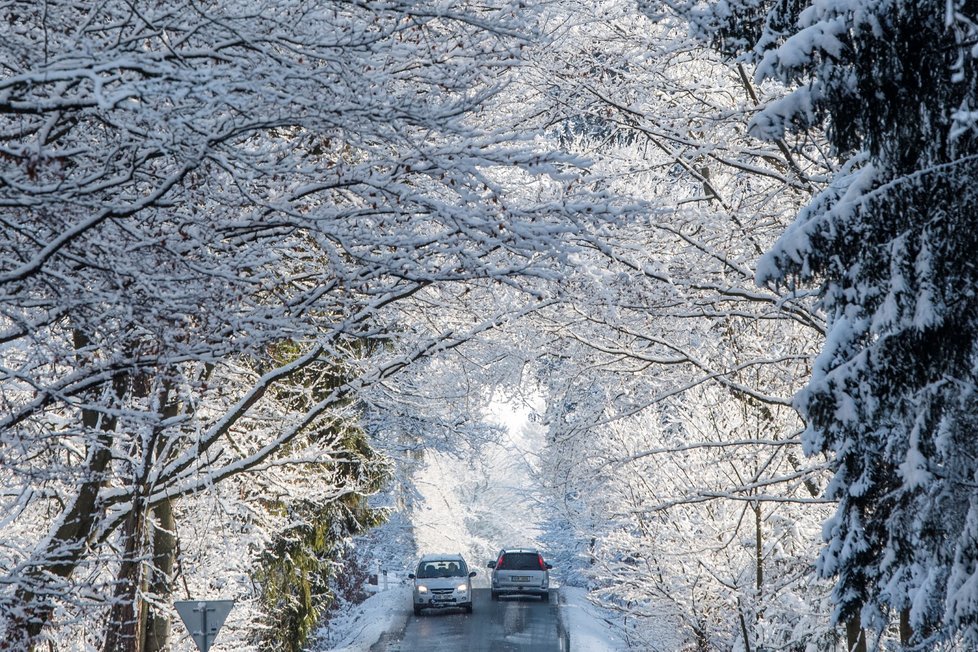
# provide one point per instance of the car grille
(442, 591)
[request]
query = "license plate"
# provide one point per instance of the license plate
(444, 599)
(521, 579)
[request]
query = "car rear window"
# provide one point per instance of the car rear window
(519, 561)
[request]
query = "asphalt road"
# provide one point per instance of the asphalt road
(511, 624)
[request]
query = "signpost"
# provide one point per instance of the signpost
(203, 619)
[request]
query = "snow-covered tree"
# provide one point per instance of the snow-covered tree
(188, 189)
(674, 450)
(889, 245)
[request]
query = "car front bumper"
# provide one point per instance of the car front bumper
(435, 601)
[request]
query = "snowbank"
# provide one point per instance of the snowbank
(359, 627)
(587, 627)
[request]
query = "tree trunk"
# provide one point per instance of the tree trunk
(855, 637)
(906, 631)
(124, 631)
(61, 553)
(758, 550)
(58, 559)
(157, 630)
(127, 629)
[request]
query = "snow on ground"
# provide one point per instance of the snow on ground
(586, 625)
(362, 625)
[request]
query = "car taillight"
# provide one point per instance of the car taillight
(499, 563)
(540, 559)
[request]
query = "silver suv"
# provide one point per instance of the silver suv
(442, 582)
(520, 571)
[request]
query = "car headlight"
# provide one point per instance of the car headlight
(422, 589)
(462, 588)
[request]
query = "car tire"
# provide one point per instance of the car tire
(417, 610)
(468, 608)
(494, 595)
(545, 596)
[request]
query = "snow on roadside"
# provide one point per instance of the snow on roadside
(587, 627)
(362, 625)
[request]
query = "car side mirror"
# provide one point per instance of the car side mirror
(472, 573)
(410, 576)
(491, 564)
(549, 566)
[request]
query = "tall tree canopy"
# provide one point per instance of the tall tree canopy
(219, 223)
(890, 246)
(679, 492)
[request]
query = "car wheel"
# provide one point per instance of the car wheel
(468, 608)
(417, 610)
(494, 595)
(545, 596)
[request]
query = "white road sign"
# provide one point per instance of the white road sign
(203, 619)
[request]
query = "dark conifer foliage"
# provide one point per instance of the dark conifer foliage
(891, 246)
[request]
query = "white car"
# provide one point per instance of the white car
(520, 571)
(442, 582)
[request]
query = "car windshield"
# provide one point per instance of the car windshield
(442, 568)
(520, 561)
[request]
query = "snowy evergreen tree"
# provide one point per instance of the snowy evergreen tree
(890, 246)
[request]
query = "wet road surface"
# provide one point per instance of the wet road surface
(511, 624)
